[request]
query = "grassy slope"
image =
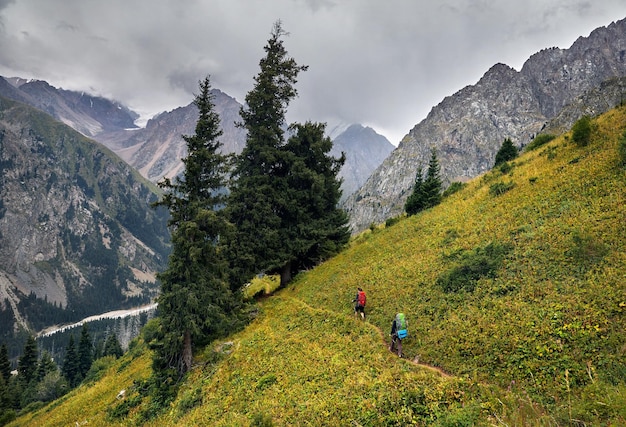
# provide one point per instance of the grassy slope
(540, 344)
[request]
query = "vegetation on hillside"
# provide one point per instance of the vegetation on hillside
(536, 340)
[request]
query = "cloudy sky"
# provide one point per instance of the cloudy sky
(382, 63)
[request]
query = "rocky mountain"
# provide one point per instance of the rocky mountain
(467, 128)
(156, 150)
(77, 235)
(88, 114)
(365, 150)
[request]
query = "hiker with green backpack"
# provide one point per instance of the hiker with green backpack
(398, 332)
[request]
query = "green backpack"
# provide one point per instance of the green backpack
(401, 328)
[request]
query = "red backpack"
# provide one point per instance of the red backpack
(361, 298)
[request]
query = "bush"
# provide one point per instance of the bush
(453, 188)
(507, 152)
(539, 140)
(479, 263)
(581, 131)
(500, 188)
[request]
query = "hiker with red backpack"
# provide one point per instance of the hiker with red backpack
(398, 332)
(359, 307)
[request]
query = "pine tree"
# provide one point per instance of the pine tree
(259, 194)
(312, 226)
(85, 351)
(70, 367)
(196, 304)
(415, 202)
(27, 363)
(46, 365)
(112, 346)
(432, 183)
(5, 363)
(507, 152)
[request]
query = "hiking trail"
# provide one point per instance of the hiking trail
(415, 361)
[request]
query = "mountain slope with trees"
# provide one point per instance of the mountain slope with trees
(513, 288)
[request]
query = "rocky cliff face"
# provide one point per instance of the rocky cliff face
(468, 128)
(365, 151)
(76, 229)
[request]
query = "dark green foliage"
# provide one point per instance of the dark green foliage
(85, 351)
(472, 266)
(539, 140)
(392, 221)
(46, 366)
(196, 303)
(27, 364)
(415, 202)
(112, 346)
(506, 153)
(587, 249)
(5, 364)
(71, 366)
(426, 191)
(453, 188)
(283, 202)
(499, 188)
(581, 131)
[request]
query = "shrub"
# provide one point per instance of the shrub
(392, 221)
(581, 131)
(479, 263)
(499, 188)
(506, 152)
(453, 188)
(539, 140)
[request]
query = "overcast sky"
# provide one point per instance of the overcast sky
(381, 63)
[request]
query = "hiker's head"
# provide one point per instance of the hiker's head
(359, 289)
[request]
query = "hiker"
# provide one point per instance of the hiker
(359, 303)
(398, 332)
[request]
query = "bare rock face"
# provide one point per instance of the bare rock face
(76, 228)
(467, 129)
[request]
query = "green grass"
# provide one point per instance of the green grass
(537, 339)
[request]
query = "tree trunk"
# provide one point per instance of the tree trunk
(187, 355)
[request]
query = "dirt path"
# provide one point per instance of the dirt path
(415, 361)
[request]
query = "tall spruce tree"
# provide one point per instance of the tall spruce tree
(263, 199)
(70, 368)
(85, 351)
(312, 226)
(112, 346)
(5, 363)
(432, 183)
(27, 363)
(415, 202)
(196, 303)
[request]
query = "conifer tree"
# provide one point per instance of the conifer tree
(46, 365)
(506, 152)
(85, 351)
(196, 303)
(415, 202)
(432, 183)
(27, 363)
(70, 367)
(112, 346)
(312, 226)
(263, 194)
(5, 363)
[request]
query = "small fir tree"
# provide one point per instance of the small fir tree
(432, 184)
(85, 351)
(415, 202)
(70, 367)
(5, 363)
(112, 346)
(506, 153)
(581, 131)
(27, 363)
(46, 365)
